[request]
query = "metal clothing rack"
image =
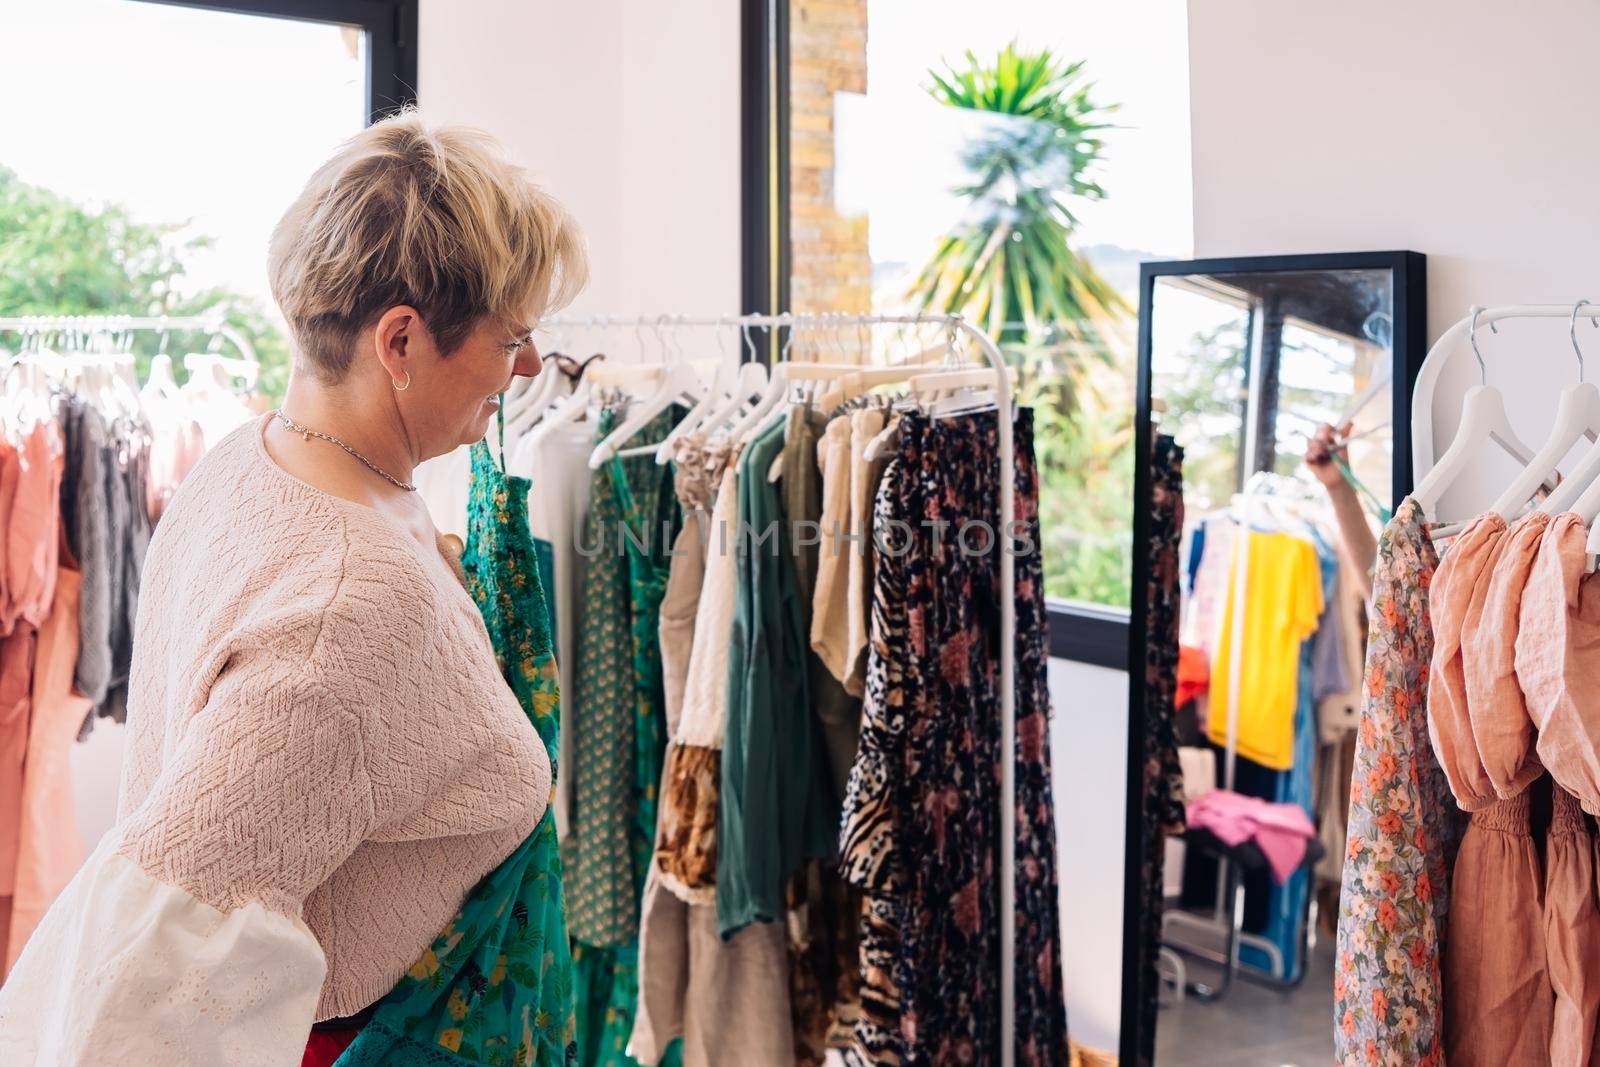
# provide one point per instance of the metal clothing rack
(1005, 403)
(213, 324)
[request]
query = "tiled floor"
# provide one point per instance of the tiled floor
(1253, 1026)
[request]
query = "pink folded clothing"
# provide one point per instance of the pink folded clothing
(1280, 831)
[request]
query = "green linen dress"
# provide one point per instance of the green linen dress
(496, 986)
(633, 516)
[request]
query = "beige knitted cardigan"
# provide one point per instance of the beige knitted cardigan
(318, 730)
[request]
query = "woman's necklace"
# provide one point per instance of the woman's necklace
(306, 433)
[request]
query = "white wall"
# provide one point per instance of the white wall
(627, 111)
(1088, 748)
(1451, 127)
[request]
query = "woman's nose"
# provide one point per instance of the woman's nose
(528, 362)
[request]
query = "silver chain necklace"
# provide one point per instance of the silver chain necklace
(307, 433)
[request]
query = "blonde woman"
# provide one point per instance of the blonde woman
(323, 757)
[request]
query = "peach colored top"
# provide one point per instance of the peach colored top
(1495, 706)
(50, 847)
(1469, 561)
(1557, 635)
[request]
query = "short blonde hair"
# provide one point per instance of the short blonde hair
(431, 216)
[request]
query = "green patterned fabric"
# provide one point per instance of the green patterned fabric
(626, 732)
(496, 986)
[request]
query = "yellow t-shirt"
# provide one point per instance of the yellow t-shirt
(1283, 599)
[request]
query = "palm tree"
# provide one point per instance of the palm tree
(1009, 266)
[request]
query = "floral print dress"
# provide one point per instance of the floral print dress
(921, 829)
(1404, 828)
(1162, 813)
(496, 986)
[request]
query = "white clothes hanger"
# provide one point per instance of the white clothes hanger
(748, 388)
(724, 381)
(524, 411)
(676, 381)
(1577, 415)
(1483, 420)
(161, 384)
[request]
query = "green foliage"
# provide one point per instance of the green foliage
(1010, 265)
(1203, 388)
(61, 258)
(1011, 268)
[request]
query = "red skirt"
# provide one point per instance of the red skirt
(325, 1046)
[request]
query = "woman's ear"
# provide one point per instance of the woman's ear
(396, 339)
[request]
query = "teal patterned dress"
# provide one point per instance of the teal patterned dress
(496, 986)
(622, 604)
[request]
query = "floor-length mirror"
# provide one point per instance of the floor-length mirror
(1272, 405)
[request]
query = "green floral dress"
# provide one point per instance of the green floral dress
(621, 626)
(496, 986)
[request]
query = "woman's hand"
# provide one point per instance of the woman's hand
(1321, 451)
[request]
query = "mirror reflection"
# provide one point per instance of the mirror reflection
(1272, 473)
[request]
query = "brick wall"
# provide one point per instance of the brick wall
(827, 54)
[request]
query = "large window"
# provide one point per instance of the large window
(1014, 162)
(147, 149)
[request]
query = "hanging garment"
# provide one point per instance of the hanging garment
(1559, 623)
(1162, 812)
(1286, 904)
(686, 856)
(1403, 827)
(1470, 560)
(821, 910)
(638, 494)
(830, 602)
(1572, 934)
(864, 476)
(1502, 730)
(49, 846)
(85, 511)
(32, 526)
(496, 985)
(1210, 558)
(560, 463)
(776, 807)
(727, 1000)
(838, 713)
(603, 902)
(949, 821)
(126, 466)
(10, 476)
(1283, 599)
(871, 856)
(1498, 1003)
(1339, 714)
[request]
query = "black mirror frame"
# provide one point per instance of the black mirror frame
(1409, 346)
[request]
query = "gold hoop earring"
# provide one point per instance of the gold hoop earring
(402, 388)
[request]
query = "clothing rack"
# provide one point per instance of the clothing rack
(213, 324)
(1433, 365)
(956, 326)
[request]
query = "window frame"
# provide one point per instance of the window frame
(390, 26)
(1082, 633)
